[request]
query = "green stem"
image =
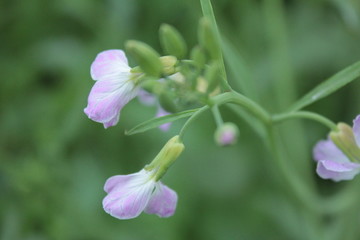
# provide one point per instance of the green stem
(231, 97)
(304, 114)
(217, 115)
(302, 193)
(209, 13)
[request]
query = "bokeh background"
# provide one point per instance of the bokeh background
(54, 160)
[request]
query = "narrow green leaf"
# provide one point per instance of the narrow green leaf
(155, 122)
(329, 86)
(209, 13)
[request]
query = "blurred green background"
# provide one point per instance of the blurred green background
(54, 160)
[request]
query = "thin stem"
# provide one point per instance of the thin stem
(217, 115)
(231, 97)
(305, 114)
(304, 194)
(208, 12)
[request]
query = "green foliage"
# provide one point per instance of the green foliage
(329, 86)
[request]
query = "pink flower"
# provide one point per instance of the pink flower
(226, 134)
(129, 195)
(332, 163)
(113, 89)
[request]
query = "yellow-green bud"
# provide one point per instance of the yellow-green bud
(212, 76)
(172, 42)
(202, 87)
(146, 57)
(168, 63)
(208, 40)
(166, 157)
(344, 139)
(198, 56)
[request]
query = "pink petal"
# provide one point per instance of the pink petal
(327, 150)
(160, 113)
(356, 129)
(128, 204)
(108, 97)
(336, 171)
(163, 202)
(146, 98)
(128, 195)
(109, 63)
(118, 180)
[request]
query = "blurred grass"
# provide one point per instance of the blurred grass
(54, 161)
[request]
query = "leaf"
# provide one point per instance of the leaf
(155, 122)
(329, 86)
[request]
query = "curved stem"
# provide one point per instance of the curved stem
(217, 115)
(231, 97)
(248, 104)
(305, 114)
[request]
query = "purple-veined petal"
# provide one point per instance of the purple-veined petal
(109, 63)
(336, 171)
(163, 201)
(356, 129)
(108, 97)
(327, 150)
(128, 195)
(119, 180)
(160, 113)
(128, 204)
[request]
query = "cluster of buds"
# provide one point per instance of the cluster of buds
(172, 83)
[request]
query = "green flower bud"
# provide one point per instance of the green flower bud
(152, 85)
(146, 57)
(344, 139)
(198, 56)
(172, 42)
(168, 63)
(166, 100)
(212, 76)
(226, 134)
(166, 157)
(208, 40)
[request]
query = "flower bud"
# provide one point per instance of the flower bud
(167, 155)
(168, 64)
(146, 57)
(166, 100)
(208, 40)
(212, 76)
(344, 139)
(202, 86)
(172, 42)
(226, 134)
(198, 56)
